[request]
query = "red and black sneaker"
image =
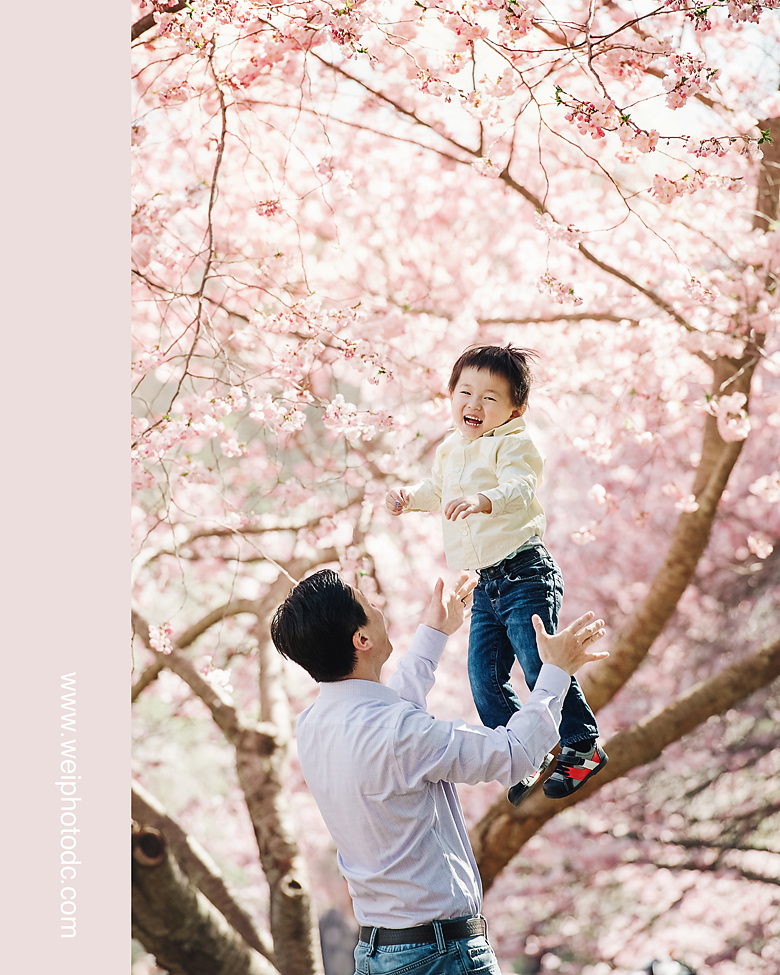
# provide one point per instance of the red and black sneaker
(520, 790)
(573, 770)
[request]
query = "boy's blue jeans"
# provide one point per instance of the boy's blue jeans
(506, 597)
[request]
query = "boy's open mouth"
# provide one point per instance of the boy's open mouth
(472, 421)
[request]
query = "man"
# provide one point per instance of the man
(382, 770)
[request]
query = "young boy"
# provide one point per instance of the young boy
(484, 479)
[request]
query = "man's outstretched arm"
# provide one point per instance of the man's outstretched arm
(448, 609)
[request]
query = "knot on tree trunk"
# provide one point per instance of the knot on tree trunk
(148, 845)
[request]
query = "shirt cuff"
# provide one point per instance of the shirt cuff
(554, 680)
(497, 500)
(429, 643)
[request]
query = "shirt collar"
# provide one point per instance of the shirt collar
(345, 690)
(512, 426)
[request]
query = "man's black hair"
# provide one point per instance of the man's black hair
(509, 362)
(314, 626)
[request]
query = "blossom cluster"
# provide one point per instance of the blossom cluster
(733, 421)
(160, 638)
(462, 27)
(345, 419)
(721, 146)
(686, 502)
(767, 487)
(750, 10)
(629, 64)
(432, 85)
(147, 360)
(689, 76)
(631, 136)
(283, 418)
(517, 18)
(547, 284)
(361, 350)
(481, 105)
(268, 208)
(595, 118)
(666, 190)
(569, 235)
(760, 545)
(219, 679)
(199, 23)
(486, 167)
(591, 118)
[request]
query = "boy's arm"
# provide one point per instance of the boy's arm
(426, 495)
(518, 470)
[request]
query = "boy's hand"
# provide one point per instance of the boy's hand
(449, 609)
(474, 504)
(397, 501)
(569, 649)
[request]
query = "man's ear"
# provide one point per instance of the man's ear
(361, 641)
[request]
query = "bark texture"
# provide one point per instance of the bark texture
(176, 923)
(504, 829)
(261, 772)
(260, 750)
(200, 869)
(146, 23)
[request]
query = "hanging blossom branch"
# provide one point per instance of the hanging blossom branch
(527, 195)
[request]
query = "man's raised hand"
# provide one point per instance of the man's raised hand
(449, 609)
(571, 648)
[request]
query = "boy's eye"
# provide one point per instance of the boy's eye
(490, 398)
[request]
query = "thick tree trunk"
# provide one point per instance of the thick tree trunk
(261, 772)
(261, 755)
(689, 540)
(176, 923)
(198, 866)
(504, 829)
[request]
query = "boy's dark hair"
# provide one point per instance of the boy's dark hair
(314, 626)
(507, 361)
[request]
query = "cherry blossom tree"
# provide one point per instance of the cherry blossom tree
(329, 204)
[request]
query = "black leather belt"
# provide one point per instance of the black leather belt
(423, 934)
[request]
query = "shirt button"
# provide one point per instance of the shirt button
(465, 531)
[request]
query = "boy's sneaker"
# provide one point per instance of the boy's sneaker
(573, 770)
(519, 791)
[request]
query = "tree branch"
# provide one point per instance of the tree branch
(509, 181)
(176, 923)
(146, 23)
(503, 830)
(198, 866)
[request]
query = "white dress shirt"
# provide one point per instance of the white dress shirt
(505, 466)
(381, 770)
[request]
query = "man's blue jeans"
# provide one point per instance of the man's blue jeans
(471, 955)
(506, 597)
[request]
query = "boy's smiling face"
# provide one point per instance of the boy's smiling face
(481, 401)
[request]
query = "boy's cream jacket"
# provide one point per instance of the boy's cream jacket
(506, 467)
